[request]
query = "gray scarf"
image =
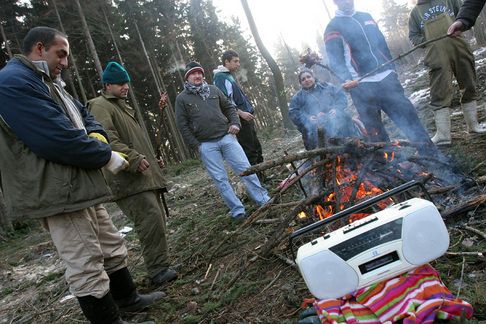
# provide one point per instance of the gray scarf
(201, 90)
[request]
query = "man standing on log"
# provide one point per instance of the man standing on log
(466, 18)
(445, 58)
(51, 157)
(356, 46)
(208, 122)
(137, 190)
(224, 79)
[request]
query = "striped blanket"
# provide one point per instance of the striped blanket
(418, 296)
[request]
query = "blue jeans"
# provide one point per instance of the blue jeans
(213, 154)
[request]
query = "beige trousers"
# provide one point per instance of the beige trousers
(90, 246)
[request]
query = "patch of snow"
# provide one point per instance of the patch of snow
(66, 298)
(419, 96)
(479, 51)
(125, 230)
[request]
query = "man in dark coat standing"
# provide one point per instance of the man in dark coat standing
(50, 165)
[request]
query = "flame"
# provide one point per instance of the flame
(366, 189)
(389, 157)
(302, 215)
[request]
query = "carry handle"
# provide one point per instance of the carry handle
(353, 209)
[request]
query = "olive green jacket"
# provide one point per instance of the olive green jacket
(127, 136)
(63, 175)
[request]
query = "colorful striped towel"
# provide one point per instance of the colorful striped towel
(418, 296)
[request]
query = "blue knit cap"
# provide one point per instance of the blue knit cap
(114, 73)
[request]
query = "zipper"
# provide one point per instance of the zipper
(367, 39)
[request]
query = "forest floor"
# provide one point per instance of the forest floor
(209, 250)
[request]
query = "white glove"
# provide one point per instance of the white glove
(116, 164)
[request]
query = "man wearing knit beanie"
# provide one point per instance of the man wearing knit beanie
(208, 122)
(137, 190)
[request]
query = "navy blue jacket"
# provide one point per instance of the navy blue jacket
(40, 123)
(355, 45)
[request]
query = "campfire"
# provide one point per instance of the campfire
(349, 171)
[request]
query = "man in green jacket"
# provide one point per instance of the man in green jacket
(50, 169)
(137, 190)
(445, 58)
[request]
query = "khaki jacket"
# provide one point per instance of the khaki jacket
(127, 136)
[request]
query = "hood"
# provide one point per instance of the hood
(220, 69)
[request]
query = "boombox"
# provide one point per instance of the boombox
(375, 248)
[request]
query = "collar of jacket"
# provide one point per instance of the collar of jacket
(221, 69)
(27, 62)
(316, 85)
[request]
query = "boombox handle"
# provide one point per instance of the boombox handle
(362, 205)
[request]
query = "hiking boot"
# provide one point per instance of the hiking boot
(125, 293)
(100, 310)
(138, 302)
(164, 276)
(240, 218)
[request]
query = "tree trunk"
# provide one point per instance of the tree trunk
(5, 223)
(133, 97)
(91, 44)
(71, 57)
(277, 74)
(179, 143)
(5, 40)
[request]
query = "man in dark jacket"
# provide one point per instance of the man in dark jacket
(466, 18)
(138, 189)
(208, 122)
(50, 166)
(356, 46)
(446, 58)
(225, 80)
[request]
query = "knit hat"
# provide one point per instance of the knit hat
(114, 73)
(192, 67)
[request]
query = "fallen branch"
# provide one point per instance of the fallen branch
(478, 254)
(272, 282)
(463, 208)
(285, 259)
(478, 232)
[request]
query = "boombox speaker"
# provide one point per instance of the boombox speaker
(375, 248)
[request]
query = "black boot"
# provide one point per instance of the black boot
(100, 310)
(125, 293)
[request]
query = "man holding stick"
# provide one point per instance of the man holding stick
(445, 58)
(356, 46)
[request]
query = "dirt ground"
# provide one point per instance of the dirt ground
(209, 250)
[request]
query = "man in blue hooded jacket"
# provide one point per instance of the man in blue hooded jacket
(355, 46)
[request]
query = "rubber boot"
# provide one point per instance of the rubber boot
(100, 310)
(443, 124)
(125, 293)
(470, 111)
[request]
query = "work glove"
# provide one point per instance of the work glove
(98, 136)
(117, 163)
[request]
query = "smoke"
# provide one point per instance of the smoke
(242, 75)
